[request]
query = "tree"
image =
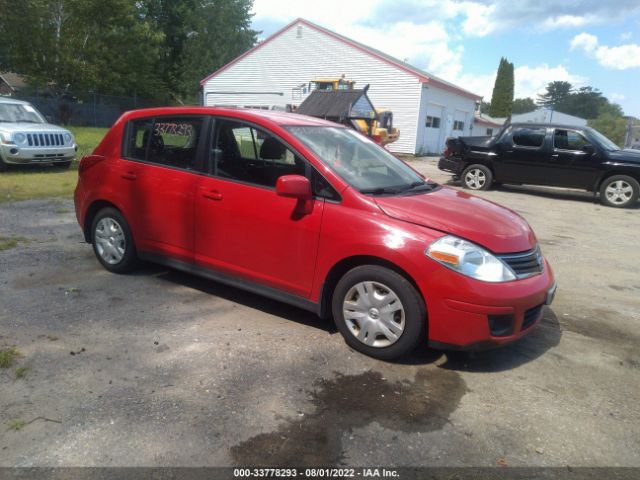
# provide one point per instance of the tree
(81, 45)
(610, 122)
(200, 36)
(485, 107)
(557, 92)
(502, 96)
(524, 105)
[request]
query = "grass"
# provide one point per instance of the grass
(17, 424)
(8, 356)
(20, 372)
(9, 242)
(45, 181)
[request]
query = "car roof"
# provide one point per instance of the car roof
(12, 100)
(273, 116)
(547, 125)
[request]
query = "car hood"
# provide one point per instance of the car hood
(485, 223)
(30, 127)
(626, 155)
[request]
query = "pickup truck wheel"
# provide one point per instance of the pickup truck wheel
(379, 312)
(619, 191)
(477, 177)
(3, 166)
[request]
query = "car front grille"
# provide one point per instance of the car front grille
(524, 264)
(45, 139)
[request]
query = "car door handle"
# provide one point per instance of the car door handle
(212, 195)
(129, 176)
(555, 155)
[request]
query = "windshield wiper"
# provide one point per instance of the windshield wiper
(419, 186)
(380, 190)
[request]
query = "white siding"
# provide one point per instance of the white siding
(449, 107)
(269, 76)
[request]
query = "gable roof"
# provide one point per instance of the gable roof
(13, 80)
(422, 76)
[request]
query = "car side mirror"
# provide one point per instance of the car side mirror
(588, 149)
(294, 186)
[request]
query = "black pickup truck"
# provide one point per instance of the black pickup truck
(543, 154)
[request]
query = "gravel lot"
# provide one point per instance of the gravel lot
(163, 368)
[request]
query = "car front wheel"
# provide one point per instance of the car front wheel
(113, 242)
(379, 312)
(477, 177)
(619, 191)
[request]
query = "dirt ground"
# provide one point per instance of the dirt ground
(163, 368)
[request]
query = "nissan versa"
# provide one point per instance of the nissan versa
(315, 215)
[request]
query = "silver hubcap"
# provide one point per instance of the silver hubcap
(110, 241)
(475, 179)
(374, 314)
(619, 192)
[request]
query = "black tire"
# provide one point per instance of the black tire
(129, 257)
(3, 166)
(415, 318)
(619, 191)
(477, 177)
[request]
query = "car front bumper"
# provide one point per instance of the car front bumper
(12, 154)
(474, 315)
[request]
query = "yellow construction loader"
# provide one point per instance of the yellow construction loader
(380, 127)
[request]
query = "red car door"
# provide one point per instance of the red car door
(242, 226)
(163, 183)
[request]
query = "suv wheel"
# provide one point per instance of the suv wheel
(379, 312)
(619, 191)
(3, 166)
(477, 177)
(113, 242)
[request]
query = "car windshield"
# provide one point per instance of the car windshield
(603, 141)
(18, 112)
(360, 162)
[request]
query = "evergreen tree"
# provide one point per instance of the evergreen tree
(557, 93)
(502, 96)
(523, 105)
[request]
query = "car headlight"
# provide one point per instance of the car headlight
(469, 259)
(5, 138)
(19, 138)
(67, 138)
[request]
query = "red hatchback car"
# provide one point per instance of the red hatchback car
(316, 215)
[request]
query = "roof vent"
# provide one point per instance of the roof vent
(299, 31)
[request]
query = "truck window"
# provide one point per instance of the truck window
(568, 140)
(529, 137)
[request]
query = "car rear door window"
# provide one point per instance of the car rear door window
(174, 141)
(529, 137)
(248, 154)
(568, 140)
(138, 138)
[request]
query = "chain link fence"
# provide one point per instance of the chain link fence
(95, 110)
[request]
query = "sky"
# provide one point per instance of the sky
(585, 42)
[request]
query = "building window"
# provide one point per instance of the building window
(432, 122)
(490, 131)
(458, 125)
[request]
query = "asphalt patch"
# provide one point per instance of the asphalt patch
(352, 401)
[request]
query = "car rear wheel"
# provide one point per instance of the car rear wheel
(113, 242)
(477, 177)
(379, 312)
(619, 191)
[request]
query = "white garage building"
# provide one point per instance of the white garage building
(276, 73)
